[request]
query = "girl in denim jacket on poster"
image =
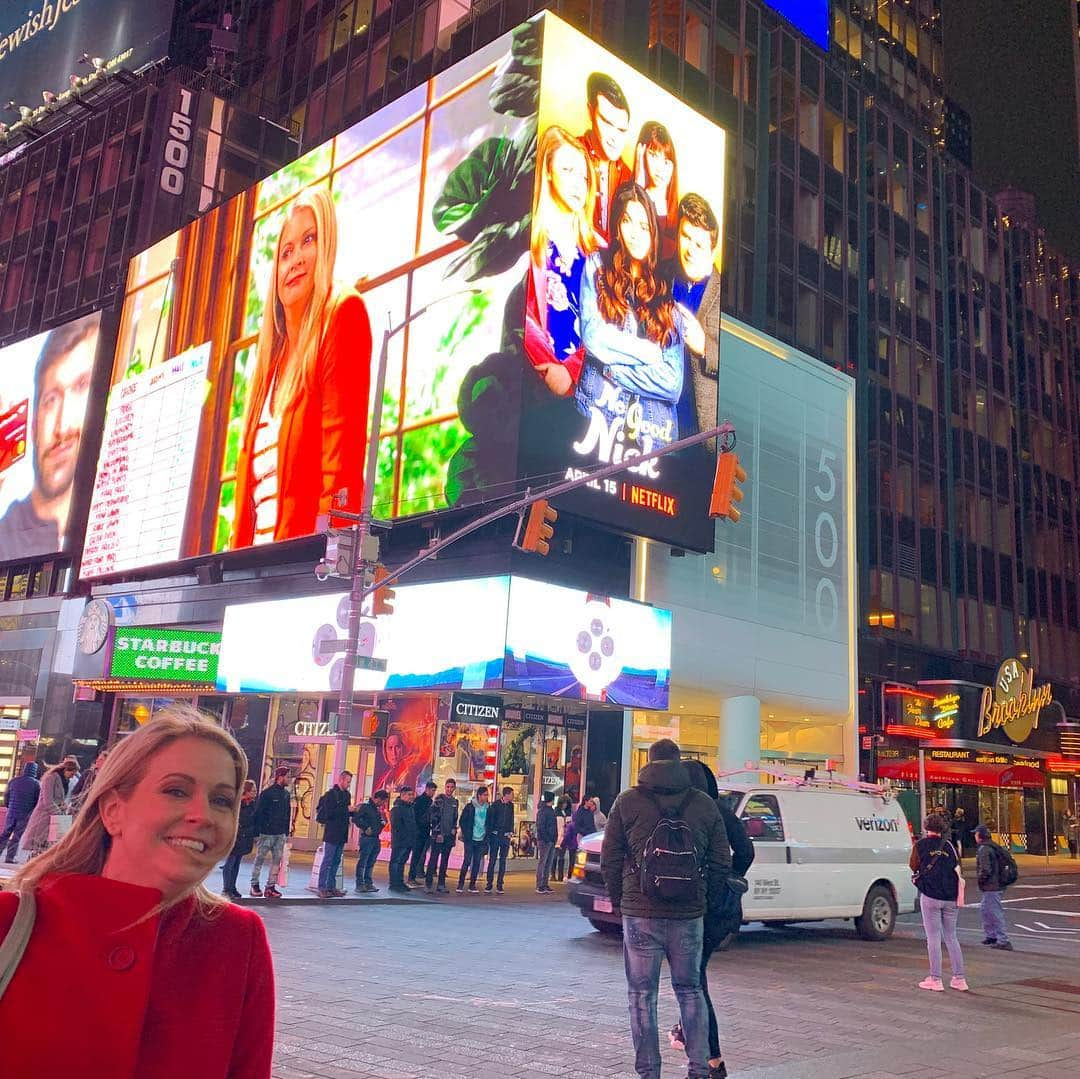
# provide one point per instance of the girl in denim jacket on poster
(633, 374)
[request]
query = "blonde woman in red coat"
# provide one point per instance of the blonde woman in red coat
(161, 978)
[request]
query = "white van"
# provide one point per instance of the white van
(821, 851)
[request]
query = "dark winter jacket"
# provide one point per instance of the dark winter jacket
(547, 827)
(444, 816)
(742, 846)
(422, 813)
(332, 813)
(273, 811)
(584, 821)
(661, 787)
(940, 881)
(23, 792)
(368, 819)
(501, 819)
(569, 839)
(245, 829)
(404, 833)
(988, 865)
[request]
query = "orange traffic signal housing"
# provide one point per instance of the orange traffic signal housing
(725, 491)
(383, 598)
(535, 531)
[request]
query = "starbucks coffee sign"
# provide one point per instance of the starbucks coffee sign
(1013, 704)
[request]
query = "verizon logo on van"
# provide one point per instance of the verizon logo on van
(877, 824)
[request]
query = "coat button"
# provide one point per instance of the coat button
(122, 957)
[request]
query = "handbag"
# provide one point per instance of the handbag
(18, 936)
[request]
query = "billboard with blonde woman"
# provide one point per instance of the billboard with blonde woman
(250, 341)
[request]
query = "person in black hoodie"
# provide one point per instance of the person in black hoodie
(935, 863)
(500, 832)
(402, 837)
(654, 926)
(422, 813)
(724, 917)
(20, 798)
(245, 840)
(273, 818)
(547, 835)
(332, 813)
(444, 822)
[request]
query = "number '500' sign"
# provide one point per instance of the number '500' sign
(177, 152)
(826, 544)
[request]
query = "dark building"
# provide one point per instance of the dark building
(855, 229)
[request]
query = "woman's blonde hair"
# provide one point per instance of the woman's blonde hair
(86, 846)
(271, 371)
(545, 206)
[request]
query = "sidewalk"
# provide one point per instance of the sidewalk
(1031, 865)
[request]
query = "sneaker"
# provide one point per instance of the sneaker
(369, 887)
(718, 1071)
(460, 889)
(325, 893)
(233, 895)
(933, 984)
(428, 889)
(498, 891)
(959, 984)
(272, 892)
(359, 890)
(473, 890)
(990, 940)
(337, 893)
(256, 891)
(488, 890)
(1004, 946)
(676, 1037)
(400, 888)
(442, 890)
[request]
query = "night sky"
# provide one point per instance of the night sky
(1009, 63)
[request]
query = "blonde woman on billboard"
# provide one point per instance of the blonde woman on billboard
(305, 430)
(633, 372)
(656, 171)
(562, 240)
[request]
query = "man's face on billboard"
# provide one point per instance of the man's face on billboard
(611, 126)
(297, 251)
(695, 251)
(59, 417)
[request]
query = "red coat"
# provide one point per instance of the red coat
(176, 996)
(323, 437)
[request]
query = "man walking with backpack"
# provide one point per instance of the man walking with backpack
(665, 853)
(996, 870)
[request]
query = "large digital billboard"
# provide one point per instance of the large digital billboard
(523, 635)
(42, 42)
(250, 341)
(45, 384)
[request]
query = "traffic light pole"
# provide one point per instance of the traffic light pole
(724, 430)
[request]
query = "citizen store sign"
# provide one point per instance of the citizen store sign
(471, 708)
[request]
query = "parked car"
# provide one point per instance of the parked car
(822, 851)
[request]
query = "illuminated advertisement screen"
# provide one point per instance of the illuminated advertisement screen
(566, 642)
(45, 384)
(411, 233)
(42, 42)
(522, 635)
(811, 17)
(623, 291)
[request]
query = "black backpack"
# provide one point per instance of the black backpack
(1008, 873)
(669, 869)
(937, 871)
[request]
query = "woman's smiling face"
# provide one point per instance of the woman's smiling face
(177, 823)
(297, 251)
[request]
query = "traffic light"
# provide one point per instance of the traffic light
(535, 530)
(725, 491)
(382, 601)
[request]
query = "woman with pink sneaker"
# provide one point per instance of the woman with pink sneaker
(935, 867)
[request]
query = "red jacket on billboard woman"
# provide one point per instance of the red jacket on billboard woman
(305, 431)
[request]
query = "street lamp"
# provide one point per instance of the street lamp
(365, 548)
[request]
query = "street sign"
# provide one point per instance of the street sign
(370, 663)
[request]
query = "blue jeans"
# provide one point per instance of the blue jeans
(500, 848)
(645, 942)
(398, 857)
(369, 855)
(331, 859)
(993, 916)
(939, 920)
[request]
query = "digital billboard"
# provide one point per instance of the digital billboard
(42, 42)
(523, 635)
(809, 16)
(623, 291)
(45, 384)
(250, 341)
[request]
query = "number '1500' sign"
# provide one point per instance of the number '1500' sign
(177, 152)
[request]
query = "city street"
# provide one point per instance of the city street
(522, 987)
